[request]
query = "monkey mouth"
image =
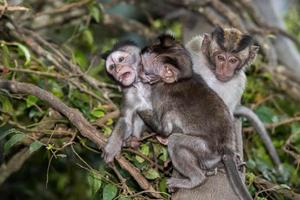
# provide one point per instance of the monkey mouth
(223, 78)
(124, 76)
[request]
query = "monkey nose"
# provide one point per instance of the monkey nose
(118, 68)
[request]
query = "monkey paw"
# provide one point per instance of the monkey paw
(172, 184)
(110, 152)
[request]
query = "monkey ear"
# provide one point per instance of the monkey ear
(205, 44)
(167, 40)
(170, 73)
(253, 52)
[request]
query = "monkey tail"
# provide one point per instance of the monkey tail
(235, 180)
(261, 130)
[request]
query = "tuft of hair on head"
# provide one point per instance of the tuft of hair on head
(123, 43)
(218, 34)
(117, 46)
(231, 39)
(244, 42)
(166, 40)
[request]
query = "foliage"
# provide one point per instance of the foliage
(64, 165)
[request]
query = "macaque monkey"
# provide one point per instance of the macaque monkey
(123, 63)
(196, 121)
(221, 59)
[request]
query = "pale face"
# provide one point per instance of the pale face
(123, 65)
(225, 65)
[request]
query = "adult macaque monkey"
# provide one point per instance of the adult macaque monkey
(123, 63)
(221, 59)
(196, 121)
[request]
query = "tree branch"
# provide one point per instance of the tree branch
(76, 118)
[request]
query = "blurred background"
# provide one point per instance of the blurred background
(56, 45)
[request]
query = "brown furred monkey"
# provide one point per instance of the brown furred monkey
(221, 59)
(196, 121)
(123, 63)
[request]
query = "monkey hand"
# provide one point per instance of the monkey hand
(110, 151)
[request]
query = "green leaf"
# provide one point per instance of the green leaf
(6, 104)
(109, 192)
(36, 145)
(251, 164)
(31, 100)
(88, 37)
(106, 130)
(81, 59)
(163, 185)
(151, 174)
(97, 112)
(139, 159)
(95, 12)
(25, 52)
(285, 186)
(94, 182)
(109, 122)
(8, 132)
(266, 114)
(13, 140)
(5, 55)
(163, 154)
(56, 89)
(144, 149)
(296, 134)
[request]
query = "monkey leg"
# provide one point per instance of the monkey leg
(191, 157)
(150, 120)
(138, 126)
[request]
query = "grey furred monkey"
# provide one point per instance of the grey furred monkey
(221, 59)
(123, 63)
(196, 121)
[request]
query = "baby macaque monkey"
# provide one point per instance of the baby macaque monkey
(196, 121)
(221, 59)
(123, 63)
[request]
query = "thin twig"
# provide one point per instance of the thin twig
(275, 125)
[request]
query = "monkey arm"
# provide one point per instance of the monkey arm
(243, 111)
(114, 144)
(122, 130)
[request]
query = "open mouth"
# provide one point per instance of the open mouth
(124, 76)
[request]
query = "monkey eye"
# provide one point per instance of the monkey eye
(121, 59)
(221, 58)
(233, 60)
(111, 67)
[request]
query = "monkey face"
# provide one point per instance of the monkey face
(226, 65)
(228, 51)
(156, 69)
(123, 65)
(166, 60)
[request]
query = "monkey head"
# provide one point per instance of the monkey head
(228, 51)
(123, 62)
(165, 60)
